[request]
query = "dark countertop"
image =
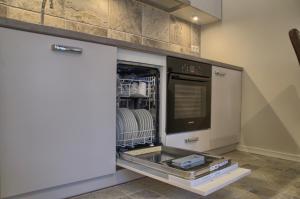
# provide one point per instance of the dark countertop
(19, 25)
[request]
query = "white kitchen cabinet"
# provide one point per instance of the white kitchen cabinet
(57, 112)
(207, 11)
(226, 107)
(212, 7)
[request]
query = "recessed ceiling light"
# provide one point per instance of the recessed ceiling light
(195, 18)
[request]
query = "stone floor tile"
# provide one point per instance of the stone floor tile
(145, 194)
(284, 196)
(232, 193)
(132, 187)
(250, 166)
(125, 197)
(109, 193)
(177, 193)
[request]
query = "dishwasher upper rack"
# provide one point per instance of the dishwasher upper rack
(126, 88)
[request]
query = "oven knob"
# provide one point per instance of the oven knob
(185, 68)
(192, 69)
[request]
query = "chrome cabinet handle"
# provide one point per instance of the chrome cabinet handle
(221, 74)
(68, 49)
(191, 140)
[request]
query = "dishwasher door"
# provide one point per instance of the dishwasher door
(203, 180)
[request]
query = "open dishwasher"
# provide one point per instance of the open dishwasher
(138, 139)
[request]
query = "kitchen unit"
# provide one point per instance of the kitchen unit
(85, 89)
(58, 119)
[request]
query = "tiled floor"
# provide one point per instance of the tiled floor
(271, 178)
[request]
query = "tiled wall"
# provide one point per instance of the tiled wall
(126, 20)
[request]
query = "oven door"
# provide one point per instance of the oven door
(188, 103)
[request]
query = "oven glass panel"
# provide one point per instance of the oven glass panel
(190, 101)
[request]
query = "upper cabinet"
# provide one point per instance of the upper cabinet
(196, 11)
(212, 7)
(201, 11)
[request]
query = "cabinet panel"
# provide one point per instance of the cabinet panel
(57, 118)
(226, 107)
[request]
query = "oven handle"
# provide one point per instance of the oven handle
(189, 78)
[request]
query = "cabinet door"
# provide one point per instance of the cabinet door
(57, 112)
(226, 107)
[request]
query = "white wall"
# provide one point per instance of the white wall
(254, 35)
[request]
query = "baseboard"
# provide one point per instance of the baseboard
(271, 153)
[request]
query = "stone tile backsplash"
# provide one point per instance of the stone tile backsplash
(92, 12)
(126, 20)
(156, 24)
(180, 32)
(125, 16)
(3, 10)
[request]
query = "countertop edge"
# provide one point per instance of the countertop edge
(47, 30)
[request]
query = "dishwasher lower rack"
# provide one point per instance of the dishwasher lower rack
(159, 158)
(133, 138)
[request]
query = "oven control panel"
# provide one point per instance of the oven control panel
(186, 68)
(183, 66)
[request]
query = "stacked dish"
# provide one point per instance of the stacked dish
(127, 127)
(134, 127)
(145, 124)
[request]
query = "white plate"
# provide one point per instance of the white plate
(145, 132)
(138, 118)
(146, 119)
(120, 128)
(141, 126)
(141, 117)
(136, 115)
(133, 124)
(144, 123)
(120, 135)
(149, 122)
(134, 121)
(126, 123)
(143, 120)
(129, 132)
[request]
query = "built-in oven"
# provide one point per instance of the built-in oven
(188, 95)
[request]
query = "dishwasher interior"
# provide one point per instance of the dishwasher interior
(137, 106)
